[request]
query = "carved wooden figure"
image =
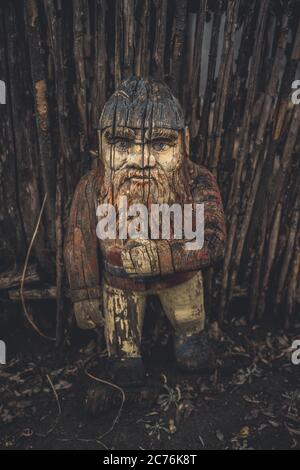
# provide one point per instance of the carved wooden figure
(144, 155)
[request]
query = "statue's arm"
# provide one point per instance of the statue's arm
(82, 258)
(205, 191)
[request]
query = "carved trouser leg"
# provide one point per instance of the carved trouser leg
(184, 306)
(124, 316)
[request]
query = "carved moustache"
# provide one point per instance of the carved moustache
(143, 176)
(151, 184)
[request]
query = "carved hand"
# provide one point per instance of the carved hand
(140, 258)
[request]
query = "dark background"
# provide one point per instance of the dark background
(230, 63)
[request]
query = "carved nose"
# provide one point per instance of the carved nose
(140, 161)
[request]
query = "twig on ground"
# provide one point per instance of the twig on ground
(55, 394)
(50, 431)
(116, 387)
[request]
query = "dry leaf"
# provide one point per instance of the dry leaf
(244, 432)
(172, 427)
(220, 436)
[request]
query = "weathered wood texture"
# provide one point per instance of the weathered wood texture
(11, 279)
(231, 64)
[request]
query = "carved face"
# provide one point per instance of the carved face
(142, 144)
(144, 166)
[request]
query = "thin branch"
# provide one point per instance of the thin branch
(30, 321)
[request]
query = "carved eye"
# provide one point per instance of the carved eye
(122, 145)
(160, 145)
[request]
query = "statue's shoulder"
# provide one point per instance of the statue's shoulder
(91, 180)
(200, 176)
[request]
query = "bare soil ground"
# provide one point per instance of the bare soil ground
(250, 401)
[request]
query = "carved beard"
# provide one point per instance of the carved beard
(154, 187)
(146, 187)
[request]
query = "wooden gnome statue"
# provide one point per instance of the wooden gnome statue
(144, 156)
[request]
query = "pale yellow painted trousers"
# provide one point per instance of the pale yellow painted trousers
(124, 314)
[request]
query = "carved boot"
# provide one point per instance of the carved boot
(127, 374)
(194, 352)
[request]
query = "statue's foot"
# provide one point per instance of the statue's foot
(194, 352)
(104, 398)
(127, 372)
(101, 398)
(120, 375)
